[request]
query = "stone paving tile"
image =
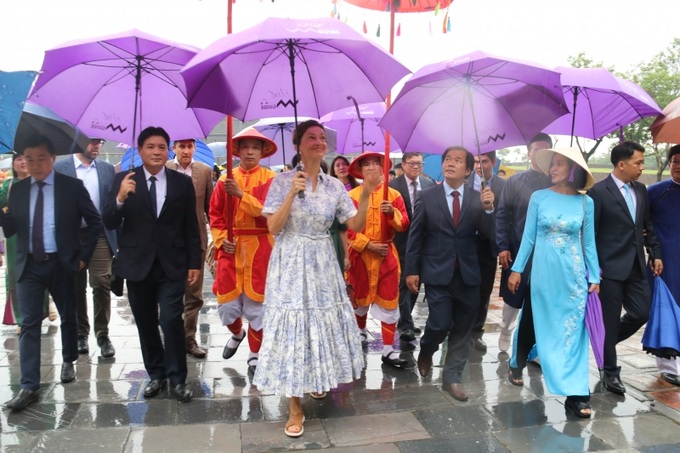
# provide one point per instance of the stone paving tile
(101, 391)
(457, 421)
(109, 415)
(563, 437)
(336, 404)
(188, 438)
(466, 444)
(384, 448)
(17, 441)
(611, 405)
(670, 448)
(669, 398)
(221, 411)
(262, 437)
(374, 429)
(91, 441)
(405, 399)
(528, 413)
(638, 431)
(39, 416)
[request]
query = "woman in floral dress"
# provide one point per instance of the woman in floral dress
(311, 341)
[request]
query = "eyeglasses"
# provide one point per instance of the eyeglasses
(414, 164)
(674, 163)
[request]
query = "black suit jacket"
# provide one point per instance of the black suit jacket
(71, 204)
(401, 185)
(619, 239)
(434, 244)
(105, 175)
(172, 237)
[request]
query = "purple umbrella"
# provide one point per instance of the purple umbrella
(358, 131)
(114, 86)
(595, 326)
(479, 101)
(600, 103)
(245, 74)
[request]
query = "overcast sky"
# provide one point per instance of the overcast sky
(618, 32)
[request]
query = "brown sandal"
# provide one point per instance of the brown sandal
(318, 395)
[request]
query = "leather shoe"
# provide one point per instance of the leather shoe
(456, 391)
(407, 335)
(83, 347)
(478, 344)
(23, 399)
(613, 384)
(182, 393)
(195, 351)
(68, 373)
(106, 346)
(154, 387)
(671, 378)
(424, 364)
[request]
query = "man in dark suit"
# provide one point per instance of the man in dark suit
(442, 254)
(623, 227)
(201, 177)
(487, 252)
(511, 213)
(97, 176)
(158, 250)
(45, 212)
(409, 184)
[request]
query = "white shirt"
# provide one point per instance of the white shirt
(179, 168)
(88, 175)
(620, 185)
(161, 187)
(448, 190)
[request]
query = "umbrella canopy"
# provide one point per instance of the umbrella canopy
(359, 131)
(202, 154)
(661, 333)
(14, 88)
(600, 103)
(479, 101)
(666, 127)
(114, 86)
(595, 326)
(244, 74)
(36, 119)
(280, 131)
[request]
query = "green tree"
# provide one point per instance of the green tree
(660, 78)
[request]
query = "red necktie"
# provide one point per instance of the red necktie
(456, 208)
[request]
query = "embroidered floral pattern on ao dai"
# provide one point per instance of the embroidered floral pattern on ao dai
(311, 340)
(558, 285)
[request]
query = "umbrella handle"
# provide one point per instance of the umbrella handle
(301, 194)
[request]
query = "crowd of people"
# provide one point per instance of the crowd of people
(305, 255)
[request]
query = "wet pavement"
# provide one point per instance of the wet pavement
(387, 410)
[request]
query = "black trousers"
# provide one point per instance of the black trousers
(488, 264)
(161, 359)
(452, 310)
(407, 301)
(634, 295)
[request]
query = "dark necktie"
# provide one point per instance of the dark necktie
(414, 196)
(37, 233)
(456, 207)
(152, 195)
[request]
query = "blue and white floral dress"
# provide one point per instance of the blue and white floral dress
(311, 339)
(558, 285)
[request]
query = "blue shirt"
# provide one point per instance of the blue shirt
(49, 235)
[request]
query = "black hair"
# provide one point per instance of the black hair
(217, 171)
(408, 155)
(624, 151)
(15, 156)
(398, 166)
(152, 131)
(673, 151)
(34, 141)
(541, 137)
(352, 180)
(469, 158)
(302, 128)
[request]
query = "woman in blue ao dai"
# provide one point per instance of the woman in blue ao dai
(560, 230)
